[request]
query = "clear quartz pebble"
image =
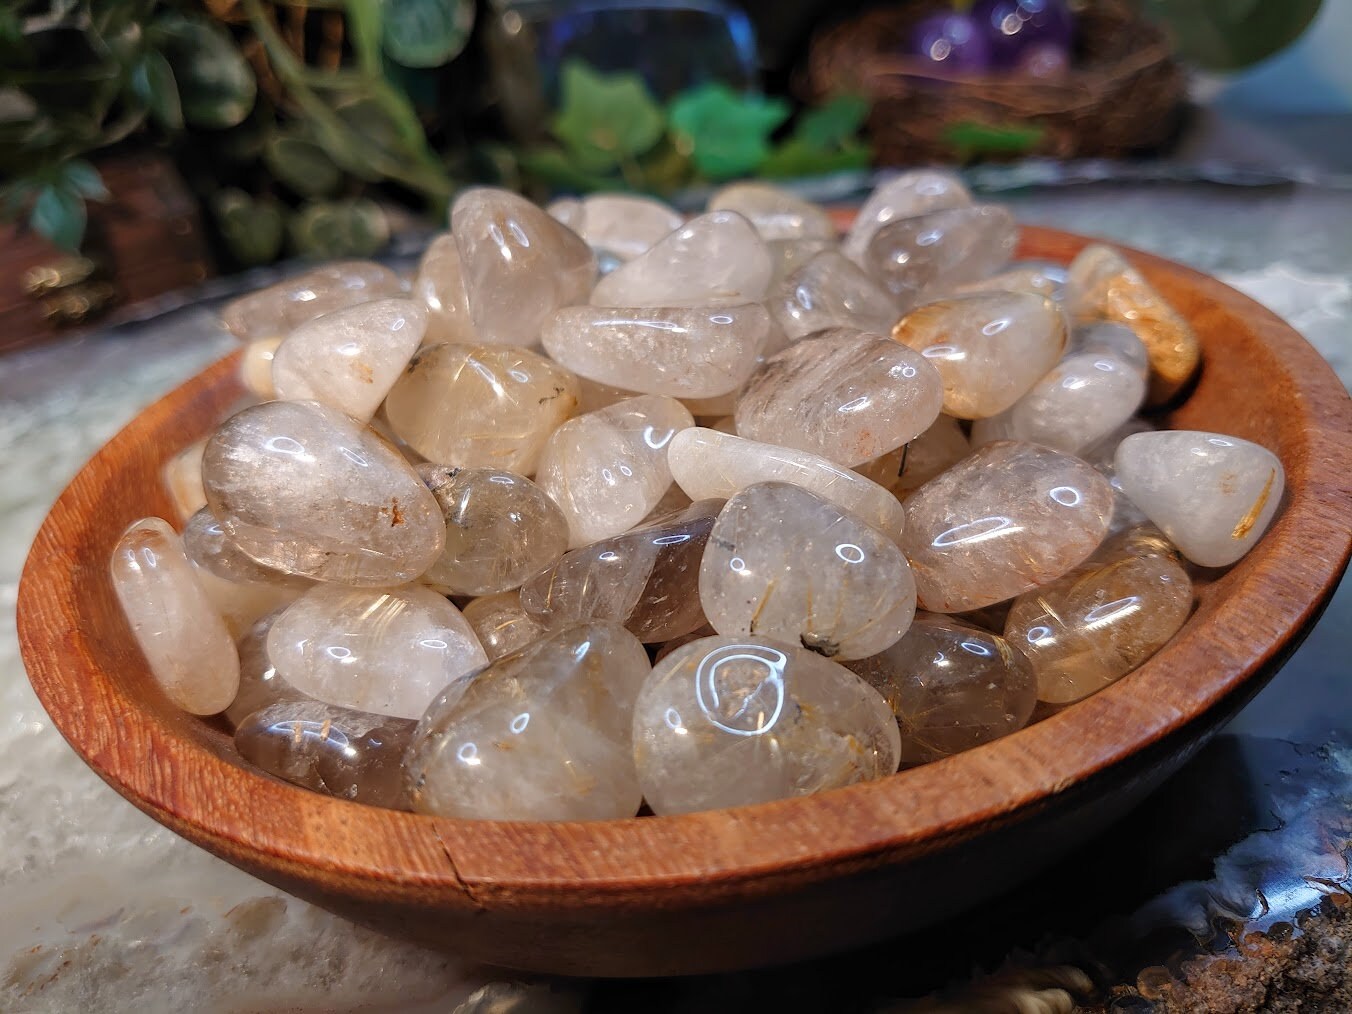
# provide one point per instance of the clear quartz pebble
(624, 225)
(241, 603)
(182, 475)
(187, 647)
(1126, 515)
(1111, 338)
(831, 291)
(646, 579)
(440, 285)
(255, 366)
(567, 211)
(350, 358)
(1007, 518)
(480, 406)
(207, 546)
(385, 650)
(847, 395)
(921, 258)
(540, 734)
(732, 721)
(608, 469)
(1213, 495)
(1038, 278)
(785, 563)
(788, 255)
(280, 308)
(518, 264)
(500, 529)
(501, 624)
(989, 348)
(301, 487)
(777, 214)
(939, 448)
(259, 684)
(952, 687)
(903, 196)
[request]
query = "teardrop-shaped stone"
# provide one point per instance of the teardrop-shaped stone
(1007, 518)
(684, 352)
(607, 470)
(1213, 495)
(501, 624)
(259, 684)
(989, 348)
(952, 686)
(182, 475)
(440, 284)
(939, 448)
(255, 366)
(776, 213)
(646, 579)
(541, 734)
(707, 463)
(1038, 278)
(831, 291)
(732, 721)
(190, 652)
(1091, 627)
(207, 545)
(518, 264)
(480, 406)
(844, 394)
(921, 258)
(717, 259)
(903, 196)
(279, 309)
(624, 224)
(785, 563)
(500, 529)
(384, 650)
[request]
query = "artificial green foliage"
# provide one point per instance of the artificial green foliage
(301, 164)
(215, 86)
(1227, 35)
(255, 229)
(969, 139)
(605, 120)
(355, 227)
(726, 133)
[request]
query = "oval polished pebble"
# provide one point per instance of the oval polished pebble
(952, 687)
(903, 196)
(280, 308)
(259, 684)
(480, 406)
(776, 213)
(541, 734)
(608, 469)
(831, 291)
(1115, 339)
(185, 642)
(1007, 518)
(501, 624)
(1038, 278)
(385, 650)
(207, 546)
(732, 721)
(922, 258)
(784, 563)
(624, 225)
(440, 284)
(1213, 495)
(847, 395)
(500, 529)
(303, 488)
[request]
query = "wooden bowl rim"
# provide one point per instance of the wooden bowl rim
(254, 818)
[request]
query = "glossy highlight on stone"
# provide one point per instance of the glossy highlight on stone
(280, 308)
(255, 366)
(903, 196)
(440, 284)
(925, 257)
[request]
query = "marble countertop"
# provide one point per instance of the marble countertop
(106, 910)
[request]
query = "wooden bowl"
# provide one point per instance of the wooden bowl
(734, 888)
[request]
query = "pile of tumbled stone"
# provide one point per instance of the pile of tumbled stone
(538, 541)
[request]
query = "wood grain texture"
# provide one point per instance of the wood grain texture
(727, 889)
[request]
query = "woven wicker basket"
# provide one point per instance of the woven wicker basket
(1122, 94)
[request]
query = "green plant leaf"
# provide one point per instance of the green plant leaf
(725, 133)
(363, 33)
(426, 33)
(557, 170)
(59, 215)
(302, 165)
(829, 126)
(253, 230)
(215, 84)
(605, 119)
(796, 157)
(970, 138)
(352, 228)
(84, 179)
(152, 81)
(1230, 34)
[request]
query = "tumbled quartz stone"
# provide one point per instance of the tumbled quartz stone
(301, 487)
(518, 264)
(844, 394)
(1212, 495)
(255, 366)
(989, 348)
(707, 463)
(608, 469)
(1104, 287)
(622, 224)
(501, 624)
(385, 650)
(776, 213)
(1126, 515)
(684, 352)
(732, 721)
(717, 259)
(788, 255)
(952, 687)
(340, 752)
(1039, 278)
(831, 291)
(922, 258)
(646, 579)
(279, 309)
(440, 285)
(259, 684)
(480, 406)
(540, 734)
(785, 563)
(207, 545)
(934, 451)
(903, 196)
(1007, 518)
(1113, 339)
(190, 652)
(239, 603)
(1094, 625)
(182, 475)
(500, 529)
(350, 358)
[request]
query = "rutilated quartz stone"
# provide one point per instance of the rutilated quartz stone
(607, 470)
(732, 721)
(182, 475)
(1038, 278)
(903, 196)
(501, 624)
(481, 406)
(500, 529)
(280, 308)
(207, 546)
(255, 366)
(952, 687)
(989, 348)
(1109, 337)
(922, 258)
(385, 650)
(776, 213)
(937, 449)
(784, 563)
(623, 225)
(1094, 625)
(846, 395)
(646, 579)
(259, 684)
(1007, 518)
(303, 488)
(440, 284)
(185, 642)
(541, 734)
(831, 291)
